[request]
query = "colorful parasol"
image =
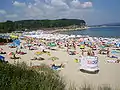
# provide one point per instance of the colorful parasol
(1, 49)
(11, 53)
(53, 58)
(38, 53)
(52, 44)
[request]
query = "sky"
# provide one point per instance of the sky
(92, 11)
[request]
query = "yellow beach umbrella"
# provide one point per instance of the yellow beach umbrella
(82, 46)
(13, 36)
(53, 58)
(38, 53)
(76, 60)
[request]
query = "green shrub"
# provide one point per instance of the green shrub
(20, 77)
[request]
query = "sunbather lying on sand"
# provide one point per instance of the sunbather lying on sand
(21, 53)
(58, 66)
(39, 58)
(113, 61)
(113, 57)
(2, 52)
(15, 57)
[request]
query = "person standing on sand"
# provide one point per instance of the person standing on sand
(108, 52)
(82, 52)
(67, 46)
(16, 50)
(74, 45)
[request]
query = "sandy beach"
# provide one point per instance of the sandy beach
(108, 75)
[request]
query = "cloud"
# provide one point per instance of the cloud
(50, 9)
(59, 4)
(87, 4)
(11, 16)
(78, 5)
(19, 4)
(3, 12)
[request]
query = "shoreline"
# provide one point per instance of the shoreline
(64, 30)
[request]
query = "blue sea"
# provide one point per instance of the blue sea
(97, 32)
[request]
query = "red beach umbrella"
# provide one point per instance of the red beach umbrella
(1, 49)
(81, 40)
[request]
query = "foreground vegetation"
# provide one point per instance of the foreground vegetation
(10, 26)
(22, 77)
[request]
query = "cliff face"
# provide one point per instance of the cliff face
(9, 26)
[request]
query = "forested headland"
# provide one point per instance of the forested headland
(22, 25)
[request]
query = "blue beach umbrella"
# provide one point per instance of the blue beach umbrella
(16, 42)
(2, 58)
(82, 42)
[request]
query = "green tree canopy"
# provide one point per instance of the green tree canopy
(10, 26)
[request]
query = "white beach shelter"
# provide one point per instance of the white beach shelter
(118, 44)
(42, 48)
(89, 63)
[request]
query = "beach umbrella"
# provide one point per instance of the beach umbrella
(38, 53)
(29, 45)
(82, 43)
(11, 53)
(42, 47)
(52, 44)
(13, 36)
(16, 42)
(89, 43)
(1, 49)
(60, 43)
(53, 58)
(33, 48)
(102, 47)
(82, 46)
(76, 60)
(81, 40)
(2, 58)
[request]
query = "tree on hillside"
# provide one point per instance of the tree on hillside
(10, 26)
